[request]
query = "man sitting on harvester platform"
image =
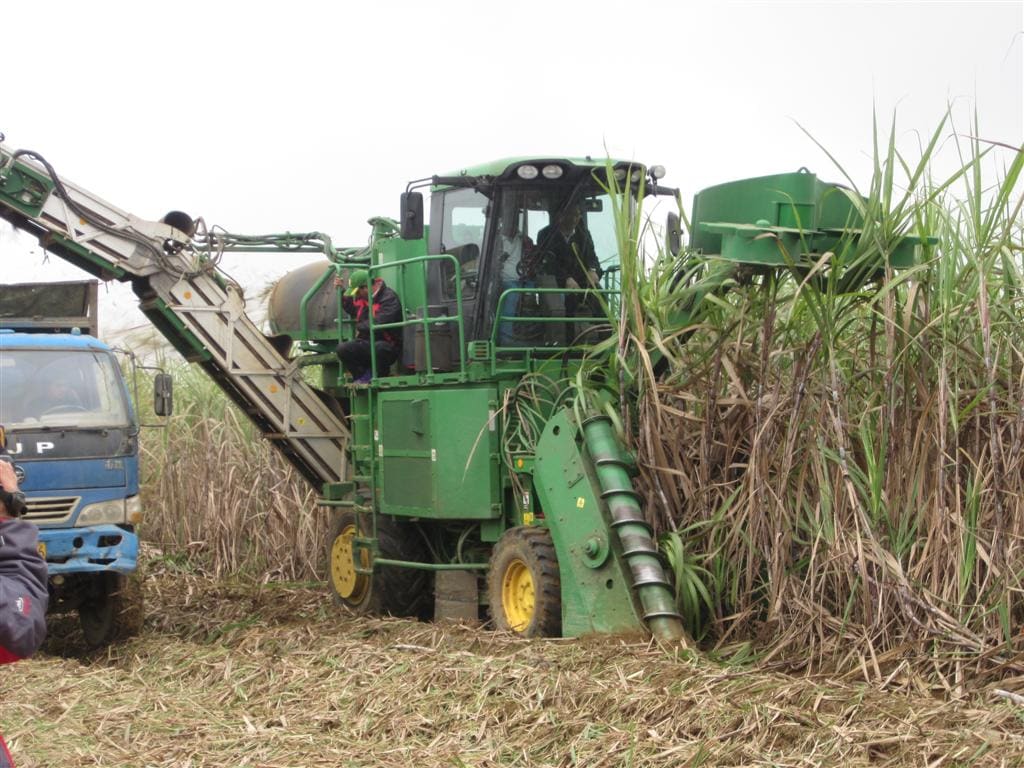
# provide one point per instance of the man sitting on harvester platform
(386, 308)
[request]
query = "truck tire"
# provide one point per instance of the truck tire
(402, 592)
(523, 583)
(113, 610)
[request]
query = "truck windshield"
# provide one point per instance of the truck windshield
(60, 388)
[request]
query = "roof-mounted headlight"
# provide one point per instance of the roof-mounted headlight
(527, 172)
(658, 171)
(552, 171)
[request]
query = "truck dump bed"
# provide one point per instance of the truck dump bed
(50, 307)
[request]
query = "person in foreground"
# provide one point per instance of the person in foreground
(23, 591)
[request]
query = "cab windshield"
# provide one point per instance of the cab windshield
(42, 388)
(555, 254)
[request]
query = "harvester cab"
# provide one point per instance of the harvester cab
(526, 235)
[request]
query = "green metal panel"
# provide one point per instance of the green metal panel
(596, 591)
(438, 453)
(767, 199)
(783, 220)
(411, 283)
(406, 459)
(413, 492)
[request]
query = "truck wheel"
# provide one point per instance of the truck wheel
(113, 610)
(524, 585)
(403, 592)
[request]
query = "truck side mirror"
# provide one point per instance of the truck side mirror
(411, 222)
(673, 234)
(163, 394)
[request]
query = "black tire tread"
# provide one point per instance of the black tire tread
(119, 615)
(532, 545)
(400, 592)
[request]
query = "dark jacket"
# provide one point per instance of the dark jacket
(387, 308)
(23, 597)
(567, 257)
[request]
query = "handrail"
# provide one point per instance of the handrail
(500, 318)
(426, 320)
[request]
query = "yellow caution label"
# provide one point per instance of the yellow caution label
(580, 503)
(527, 518)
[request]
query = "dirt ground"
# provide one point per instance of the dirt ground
(274, 676)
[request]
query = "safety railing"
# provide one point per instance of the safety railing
(422, 315)
(329, 273)
(502, 322)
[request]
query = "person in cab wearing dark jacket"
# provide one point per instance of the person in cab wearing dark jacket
(23, 591)
(570, 250)
(358, 301)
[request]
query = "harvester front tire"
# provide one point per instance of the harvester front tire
(402, 592)
(523, 583)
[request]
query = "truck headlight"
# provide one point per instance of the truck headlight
(133, 509)
(102, 513)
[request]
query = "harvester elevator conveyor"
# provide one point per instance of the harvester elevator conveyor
(200, 312)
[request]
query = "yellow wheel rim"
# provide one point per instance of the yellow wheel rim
(349, 584)
(517, 595)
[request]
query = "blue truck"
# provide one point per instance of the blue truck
(74, 435)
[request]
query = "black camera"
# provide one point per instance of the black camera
(13, 501)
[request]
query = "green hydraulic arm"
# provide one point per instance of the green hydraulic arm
(199, 311)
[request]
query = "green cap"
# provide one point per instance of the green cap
(356, 280)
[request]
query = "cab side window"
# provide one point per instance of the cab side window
(460, 232)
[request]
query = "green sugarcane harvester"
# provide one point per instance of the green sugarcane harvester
(461, 483)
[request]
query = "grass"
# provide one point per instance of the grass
(237, 673)
(215, 491)
(845, 460)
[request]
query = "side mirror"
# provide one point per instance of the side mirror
(163, 394)
(411, 221)
(673, 234)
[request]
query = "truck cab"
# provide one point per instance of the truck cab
(73, 433)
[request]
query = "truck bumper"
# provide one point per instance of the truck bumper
(85, 550)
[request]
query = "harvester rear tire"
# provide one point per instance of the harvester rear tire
(523, 583)
(402, 592)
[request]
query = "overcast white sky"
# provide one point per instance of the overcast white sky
(272, 116)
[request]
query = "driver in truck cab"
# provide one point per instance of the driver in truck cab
(23, 590)
(56, 396)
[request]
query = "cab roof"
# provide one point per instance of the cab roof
(14, 340)
(506, 165)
